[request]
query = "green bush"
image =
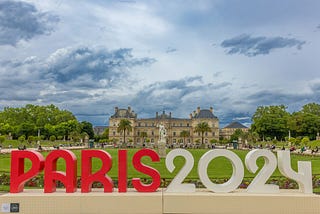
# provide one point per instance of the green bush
(53, 138)
(313, 144)
(2, 139)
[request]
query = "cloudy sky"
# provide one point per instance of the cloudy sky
(90, 56)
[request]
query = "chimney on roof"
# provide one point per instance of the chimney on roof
(116, 109)
(190, 116)
(198, 110)
(211, 109)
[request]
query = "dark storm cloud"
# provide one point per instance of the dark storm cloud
(22, 21)
(253, 46)
(266, 97)
(95, 64)
(63, 96)
(68, 74)
(179, 96)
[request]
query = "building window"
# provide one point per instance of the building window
(198, 133)
(187, 124)
(138, 140)
(146, 124)
(206, 133)
(114, 133)
(152, 140)
(174, 141)
(174, 133)
(213, 134)
(180, 124)
(174, 124)
(152, 124)
(138, 133)
(152, 133)
(139, 124)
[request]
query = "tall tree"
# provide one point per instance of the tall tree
(308, 120)
(87, 128)
(123, 127)
(271, 121)
(201, 128)
(237, 134)
(144, 135)
(184, 134)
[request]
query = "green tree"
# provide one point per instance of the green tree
(305, 141)
(201, 128)
(238, 133)
(29, 119)
(31, 139)
(143, 135)
(75, 136)
(309, 120)
(105, 133)
(22, 138)
(184, 134)
(87, 128)
(5, 128)
(271, 121)
(124, 127)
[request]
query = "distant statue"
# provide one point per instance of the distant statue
(161, 146)
(162, 132)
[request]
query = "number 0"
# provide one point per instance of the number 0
(237, 173)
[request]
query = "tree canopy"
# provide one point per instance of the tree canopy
(47, 121)
(276, 122)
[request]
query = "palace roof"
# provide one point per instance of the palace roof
(235, 125)
(204, 113)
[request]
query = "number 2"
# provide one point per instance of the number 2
(176, 184)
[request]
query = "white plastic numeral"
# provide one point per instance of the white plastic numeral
(304, 175)
(237, 173)
(176, 184)
(258, 183)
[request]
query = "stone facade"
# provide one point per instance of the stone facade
(146, 130)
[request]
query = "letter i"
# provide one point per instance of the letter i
(122, 171)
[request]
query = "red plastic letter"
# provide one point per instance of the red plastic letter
(51, 175)
(153, 173)
(122, 171)
(87, 178)
(18, 177)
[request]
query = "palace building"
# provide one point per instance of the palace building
(180, 131)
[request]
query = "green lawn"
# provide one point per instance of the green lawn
(218, 168)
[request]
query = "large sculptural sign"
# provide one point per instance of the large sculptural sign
(69, 178)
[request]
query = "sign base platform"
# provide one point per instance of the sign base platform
(202, 201)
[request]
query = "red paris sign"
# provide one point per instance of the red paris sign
(69, 177)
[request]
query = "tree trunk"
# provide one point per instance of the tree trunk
(124, 137)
